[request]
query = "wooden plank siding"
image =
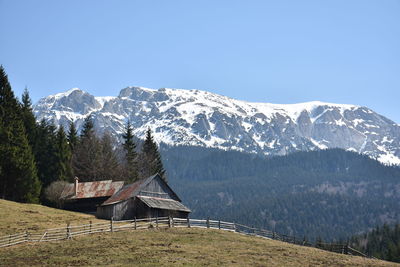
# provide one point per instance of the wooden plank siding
(126, 204)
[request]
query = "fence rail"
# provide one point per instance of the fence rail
(68, 232)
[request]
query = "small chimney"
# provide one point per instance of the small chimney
(76, 185)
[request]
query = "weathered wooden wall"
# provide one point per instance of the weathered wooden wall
(158, 189)
(135, 208)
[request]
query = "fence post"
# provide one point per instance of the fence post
(234, 226)
(156, 222)
(188, 222)
(135, 222)
(219, 224)
(111, 224)
(273, 234)
(90, 226)
(68, 231)
(208, 222)
(169, 221)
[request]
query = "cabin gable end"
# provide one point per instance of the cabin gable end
(158, 188)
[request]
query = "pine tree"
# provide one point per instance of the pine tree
(73, 141)
(18, 177)
(151, 158)
(46, 153)
(86, 159)
(63, 157)
(88, 128)
(29, 119)
(72, 136)
(109, 165)
(2, 147)
(131, 156)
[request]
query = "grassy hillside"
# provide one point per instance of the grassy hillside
(191, 247)
(18, 217)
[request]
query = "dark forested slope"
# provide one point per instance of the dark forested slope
(330, 194)
(382, 242)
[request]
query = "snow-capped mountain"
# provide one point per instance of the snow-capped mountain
(199, 118)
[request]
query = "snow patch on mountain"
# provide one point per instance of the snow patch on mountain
(200, 118)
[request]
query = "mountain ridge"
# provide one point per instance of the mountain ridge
(200, 118)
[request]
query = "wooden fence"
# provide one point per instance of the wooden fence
(69, 232)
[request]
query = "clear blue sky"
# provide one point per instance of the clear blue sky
(266, 51)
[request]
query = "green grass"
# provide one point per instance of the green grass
(182, 247)
(152, 247)
(19, 217)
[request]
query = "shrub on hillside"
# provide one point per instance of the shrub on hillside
(53, 193)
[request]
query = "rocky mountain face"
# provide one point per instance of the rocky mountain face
(199, 118)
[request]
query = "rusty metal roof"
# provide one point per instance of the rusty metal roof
(162, 203)
(92, 189)
(127, 191)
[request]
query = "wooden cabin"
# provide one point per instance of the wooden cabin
(86, 196)
(149, 197)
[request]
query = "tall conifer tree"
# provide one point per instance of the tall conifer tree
(63, 156)
(151, 158)
(72, 136)
(109, 165)
(18, 177)
(86, 160)
(46, 153)
(131, 156)
(88, 128)
(73, 141)
(29, 119)
(2, 146)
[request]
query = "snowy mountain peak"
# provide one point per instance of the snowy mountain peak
(67, 93)
(200, 118)
(69, 103)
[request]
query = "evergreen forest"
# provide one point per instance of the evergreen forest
(382, 242)
(35, 155)
(326, 194)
